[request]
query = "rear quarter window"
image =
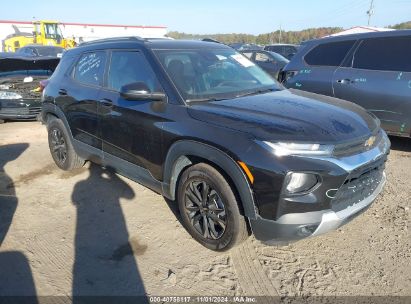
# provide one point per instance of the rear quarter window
(329, 54)
(384, 54)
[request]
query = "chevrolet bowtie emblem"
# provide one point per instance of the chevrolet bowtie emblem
(370, 142)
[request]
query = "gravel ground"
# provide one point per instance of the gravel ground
(92, 232)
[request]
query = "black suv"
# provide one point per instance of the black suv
(199, 123)
(371, 69)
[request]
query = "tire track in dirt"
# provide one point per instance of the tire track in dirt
(252, 278)
(53, 264)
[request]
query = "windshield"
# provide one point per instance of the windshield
(49, 51)
(279, 57)
(214, 73)
(52, 31)
(24, 73)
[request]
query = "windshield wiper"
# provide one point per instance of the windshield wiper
(262, 91)
(205, 99)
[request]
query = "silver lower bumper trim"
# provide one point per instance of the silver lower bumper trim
(332, 220)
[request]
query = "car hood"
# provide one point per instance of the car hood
(13, 63)
(289, 115)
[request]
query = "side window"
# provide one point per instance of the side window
(261, 57)
(384, 54)
(248, 54)
(128, 67)
(276, 49)
(329, 54)
(90, 68)
(290, 49)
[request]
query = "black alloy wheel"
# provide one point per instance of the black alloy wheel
(205, 209)
(59, 146)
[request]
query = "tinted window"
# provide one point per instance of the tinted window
(386, 54)
(49, 51)
(277, 49)
(290, 49)
(261, 57)
(90, 68)
(329, 54)
(128, 67)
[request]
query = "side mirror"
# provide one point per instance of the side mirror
(140, 91)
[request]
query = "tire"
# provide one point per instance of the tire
(60, 146)
(225, 226)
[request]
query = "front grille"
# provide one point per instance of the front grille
(34, 110)
(358, 146)
(17, 111)
(360, 184)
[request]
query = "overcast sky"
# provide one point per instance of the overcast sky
(213, 16)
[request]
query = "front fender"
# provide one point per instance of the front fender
(178, 158)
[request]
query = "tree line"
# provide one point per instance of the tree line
(294, 37)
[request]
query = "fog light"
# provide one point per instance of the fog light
(301, 182)
(306, 230)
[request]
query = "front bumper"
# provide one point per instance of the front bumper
(297, 226)
(20, 113)
(364, 182)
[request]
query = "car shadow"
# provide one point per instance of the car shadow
(105, 262)
(400, 143)
(16, 278)
(173, 206)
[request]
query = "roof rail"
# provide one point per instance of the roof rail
(111, 39)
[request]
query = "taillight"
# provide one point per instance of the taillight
(43, 84)
(287, 75)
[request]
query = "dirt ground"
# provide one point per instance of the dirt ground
(92, 232)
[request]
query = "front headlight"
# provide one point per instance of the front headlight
(9, 95)
(287, 148)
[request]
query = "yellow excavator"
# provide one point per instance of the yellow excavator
(44, 33)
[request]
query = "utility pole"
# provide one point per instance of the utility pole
(370, 12)
(279, 37)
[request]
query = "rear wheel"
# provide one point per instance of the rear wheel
(209, 208)
(61, 147)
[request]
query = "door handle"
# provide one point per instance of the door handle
(344, 81)
(106, 102)
(63, 92)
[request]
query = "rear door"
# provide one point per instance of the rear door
(379, 79)
(131, 130)
(78, 96)
(320, 64)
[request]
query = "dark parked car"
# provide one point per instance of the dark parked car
(285, 50)
(270, 62)
(245, 46)
(21, 83)
(199, 123)
(372, 70)
(36, 50)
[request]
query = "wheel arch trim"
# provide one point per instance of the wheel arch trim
(49, 108)
(178, 158)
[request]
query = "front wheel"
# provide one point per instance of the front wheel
(209, 208)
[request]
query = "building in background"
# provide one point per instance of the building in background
(82, 32)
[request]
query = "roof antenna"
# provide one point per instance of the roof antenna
(370, 12)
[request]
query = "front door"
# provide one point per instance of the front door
(131, 130)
